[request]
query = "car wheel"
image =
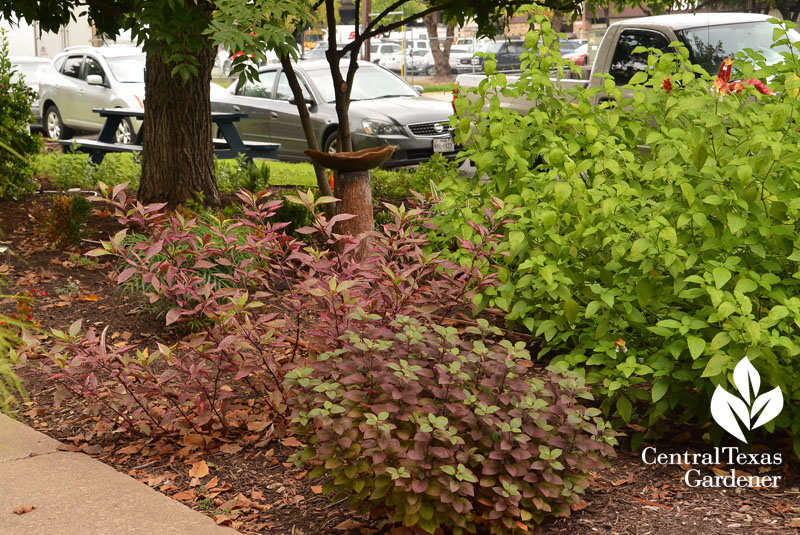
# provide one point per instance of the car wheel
(53, 125)
(331, 145)
(431, 70)
(124, 133)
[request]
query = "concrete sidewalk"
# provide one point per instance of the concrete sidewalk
(75, 494)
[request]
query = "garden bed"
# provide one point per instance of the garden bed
(250, 485)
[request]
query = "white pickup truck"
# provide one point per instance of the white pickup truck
(709, 37)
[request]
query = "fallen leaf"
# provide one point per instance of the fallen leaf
(199, 470)
(257, 426)
(719, 472)
(194, 440)
(795, 523)
(347, 524)
(257, 495)
(22, 509)
(577, 506)
(129, 450)
(212, 482)
(316, 489)
(230, 448)
(291, 442)
(184, 496)
(89, 298)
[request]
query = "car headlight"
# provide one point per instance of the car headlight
(374, 127)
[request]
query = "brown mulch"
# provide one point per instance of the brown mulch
(250, 485)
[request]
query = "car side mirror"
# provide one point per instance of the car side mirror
(310, 102)
(94, 79)
(419, 89)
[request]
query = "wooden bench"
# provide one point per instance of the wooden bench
(97, 149)
(230, 147)
(254, 149)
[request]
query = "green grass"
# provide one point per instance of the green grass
(292, 174)
(437, 88)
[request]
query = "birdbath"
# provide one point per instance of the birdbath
(351, 185)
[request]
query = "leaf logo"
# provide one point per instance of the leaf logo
(725, 407)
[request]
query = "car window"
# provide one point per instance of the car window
(128, 69)
(370, 83)
(93, 67)
(625, 63)
(72, 67)
(284, 91)
(261, 88)
(373, 49)
(59, 62)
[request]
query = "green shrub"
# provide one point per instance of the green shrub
(64, 220)
(238, 174)
(76, 170)
(415, 423)
(654, 271)
(396, 185)
(15, 117)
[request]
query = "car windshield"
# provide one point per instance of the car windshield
(127, 69)
(32, 72)
(370, 83)
(419, 53)
(491, 47)
(710, 45)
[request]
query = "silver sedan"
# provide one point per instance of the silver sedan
(383, 110)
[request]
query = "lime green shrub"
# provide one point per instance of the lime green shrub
(15, 117)
(652, 243)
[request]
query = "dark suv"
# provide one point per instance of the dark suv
(507, 54)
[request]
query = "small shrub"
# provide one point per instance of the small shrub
(397, 185)
(15, 117)
(238, 174)
(76, 170)
(417, 424)
(64, 221)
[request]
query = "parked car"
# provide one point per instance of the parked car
(83, 78)
(580, 56)
(378, 51)
(31, 69)
(506, 53)
(418, 61)
(319, 52)
(384, 110)
(568, 46)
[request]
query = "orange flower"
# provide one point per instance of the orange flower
(620, 344)
(760, 87)
(735, 87)
(720, 86)
(724, 73)
(667, 85)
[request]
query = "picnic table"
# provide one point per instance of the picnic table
(230, 146)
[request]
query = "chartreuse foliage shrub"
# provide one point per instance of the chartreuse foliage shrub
(414, 420)
(650, 243)
(15, 116)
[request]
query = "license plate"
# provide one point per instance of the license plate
(443, 145)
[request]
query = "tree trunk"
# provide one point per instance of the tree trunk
(355, 194)
(440, 50)
(308, 130)
(178, 115)
(557, 21)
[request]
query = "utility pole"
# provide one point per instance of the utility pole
(367, 13)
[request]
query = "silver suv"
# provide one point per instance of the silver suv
(83, 78)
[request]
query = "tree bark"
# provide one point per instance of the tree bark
(178, 114)
(440, 51)
(557, 21)
(355, 194)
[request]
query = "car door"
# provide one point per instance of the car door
(68, 100)
(94, 96)
(285, 124)
(254, 98)
(625, 63)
